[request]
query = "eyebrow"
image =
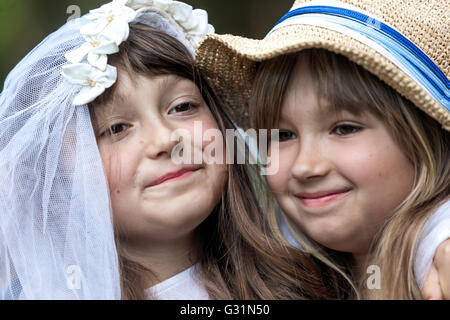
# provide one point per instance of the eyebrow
(325, 107)
(173, 81)
(113, 106)
(325, 110)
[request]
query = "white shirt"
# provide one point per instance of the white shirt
(436, 230)
(182, 286)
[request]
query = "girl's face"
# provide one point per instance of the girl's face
(153, 198)
(340, 175)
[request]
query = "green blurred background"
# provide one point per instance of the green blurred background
(24, 23)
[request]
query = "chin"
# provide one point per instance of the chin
(179, 218)
(329, 234)
(340, 242)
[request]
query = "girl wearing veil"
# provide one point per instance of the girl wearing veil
(93, 207)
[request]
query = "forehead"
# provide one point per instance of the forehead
(303, 94)
(133, 88)
(321, 90)
(127, 84)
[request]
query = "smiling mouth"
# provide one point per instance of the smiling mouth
(174, 176)
(321, 199)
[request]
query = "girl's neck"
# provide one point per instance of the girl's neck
(164, 258)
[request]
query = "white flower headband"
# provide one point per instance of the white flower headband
(109, 28)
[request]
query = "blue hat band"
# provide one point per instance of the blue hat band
(383, 38)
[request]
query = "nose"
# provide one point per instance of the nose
(158, 140)
(310, 162)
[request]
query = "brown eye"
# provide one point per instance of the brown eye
(346, 129)
(114, 130)
(285, 135)
(118, 128)
(184, 107)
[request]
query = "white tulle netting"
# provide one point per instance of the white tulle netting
(56, 231)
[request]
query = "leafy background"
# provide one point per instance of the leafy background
(24, 23)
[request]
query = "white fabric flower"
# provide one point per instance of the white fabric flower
(138, 4)
(193, 22)
(96, 51)
(109, 27)
(93, 81)
(201, 18)
(181, 12)
(162, 5)
(110, 21)
(199, 26)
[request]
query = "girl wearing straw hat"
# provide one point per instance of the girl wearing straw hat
(92, 205)
(359, 93)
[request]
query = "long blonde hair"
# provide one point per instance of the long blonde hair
(345, 85)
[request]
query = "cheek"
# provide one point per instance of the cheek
(356, 166)
(278, 180)
(217, 177)
(393, 175)
(382, 174)
(118, 165)
(377, 165)
(203, 132)
(210, 132)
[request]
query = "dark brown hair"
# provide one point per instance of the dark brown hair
(241, 257)
(344, 85)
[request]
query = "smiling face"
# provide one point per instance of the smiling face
(153, 197)
(341, 175)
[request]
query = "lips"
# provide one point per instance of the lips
(321, 198)
(173, 175)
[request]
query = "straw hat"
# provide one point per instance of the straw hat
(405, 43)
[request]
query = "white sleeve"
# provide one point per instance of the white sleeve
(436, 230)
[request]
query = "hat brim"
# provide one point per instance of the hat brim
(230, 63)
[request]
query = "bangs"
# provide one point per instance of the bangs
(336, 81)
(340, 85)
